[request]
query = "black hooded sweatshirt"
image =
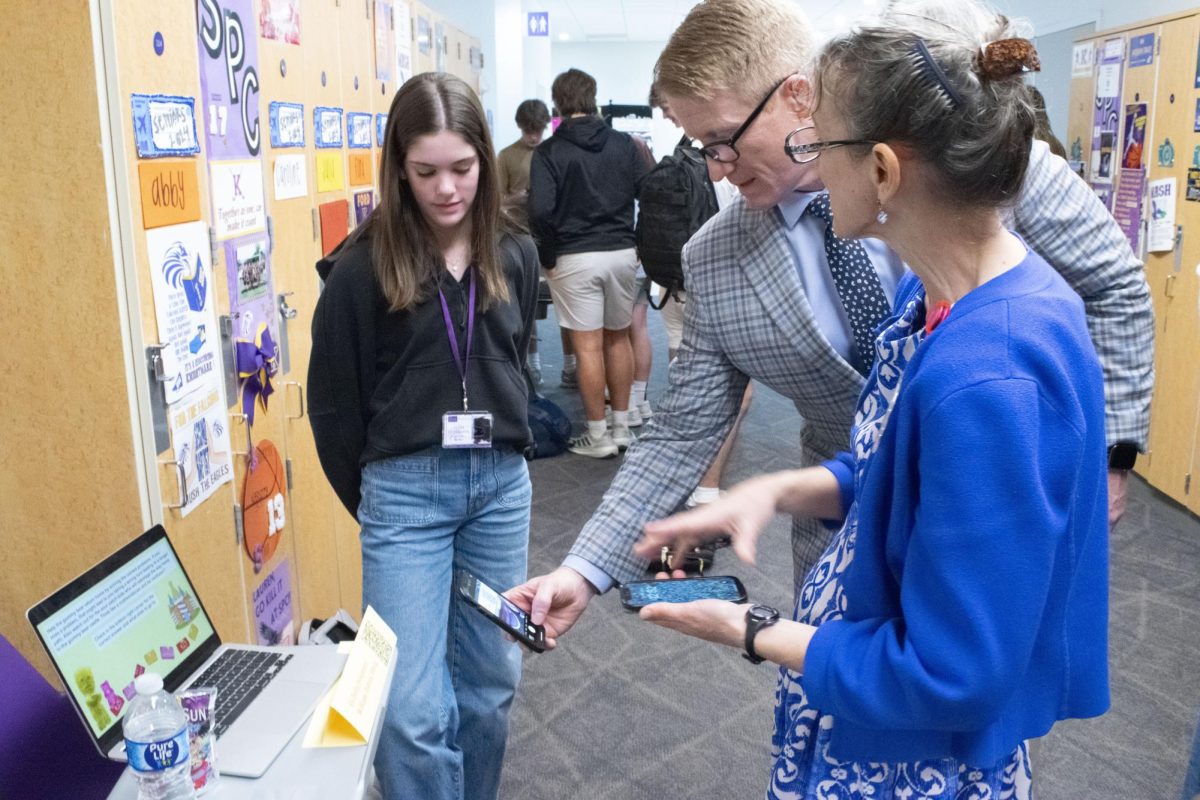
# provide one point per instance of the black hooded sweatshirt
(379, 381)
(582, 184)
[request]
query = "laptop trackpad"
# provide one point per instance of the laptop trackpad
(260, 733)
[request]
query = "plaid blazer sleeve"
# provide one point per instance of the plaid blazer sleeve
(1061, 218)
(681, 440)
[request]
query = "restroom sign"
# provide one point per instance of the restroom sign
(538, 23)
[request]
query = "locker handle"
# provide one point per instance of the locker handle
(233, 450)
(1169, 291)
(181, 479)
(300, 387)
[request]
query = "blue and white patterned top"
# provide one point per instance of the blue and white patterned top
(803, 768)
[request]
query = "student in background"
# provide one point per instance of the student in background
(582, 185)
(427, 309)
(513, 161)
(513, 166)
(1042, 128)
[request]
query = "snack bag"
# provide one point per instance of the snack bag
(199, 703)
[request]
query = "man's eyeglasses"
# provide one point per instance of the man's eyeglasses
(725, 151)
(804, 153)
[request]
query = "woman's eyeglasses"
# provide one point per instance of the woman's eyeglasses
(804, 153)
(725, 151)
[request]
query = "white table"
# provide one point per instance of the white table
(298, 774)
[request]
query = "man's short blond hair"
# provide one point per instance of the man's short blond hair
(746, 46)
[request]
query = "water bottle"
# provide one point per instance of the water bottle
(156, 742)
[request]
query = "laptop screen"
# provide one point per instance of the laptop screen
(134, 612)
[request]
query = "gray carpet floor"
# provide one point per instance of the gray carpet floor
(625, 710)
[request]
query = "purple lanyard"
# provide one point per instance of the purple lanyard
(461, 360)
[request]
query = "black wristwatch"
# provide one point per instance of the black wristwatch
(757, 618)
(1122, 455)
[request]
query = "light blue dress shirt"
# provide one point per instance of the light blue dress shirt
(806, 236)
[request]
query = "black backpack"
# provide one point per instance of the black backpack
(549, 424)
(674, 200)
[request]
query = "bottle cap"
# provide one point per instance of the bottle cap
(148, 683)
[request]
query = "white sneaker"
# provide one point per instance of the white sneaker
(635, 417)
(637, 414)
(622, 437)
(586, 445)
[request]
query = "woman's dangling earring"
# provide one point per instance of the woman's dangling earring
(882, 216)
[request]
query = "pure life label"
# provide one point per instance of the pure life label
(158, 756)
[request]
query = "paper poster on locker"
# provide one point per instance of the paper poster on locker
(280, 20)
(273, 608)
(1083, 60)
(291, 176)
(385, 43)
(402, 14)
(1161, 237)
(1135, 136)
(237, 197)
(1127, 204)
(184, 297)
(1107, 118)
(200, 440)
(251, 287)
(229, 89)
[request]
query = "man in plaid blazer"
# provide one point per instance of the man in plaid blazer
(748, 314)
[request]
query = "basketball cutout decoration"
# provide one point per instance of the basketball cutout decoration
(264, 502)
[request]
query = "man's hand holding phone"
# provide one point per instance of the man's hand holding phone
(555, 601)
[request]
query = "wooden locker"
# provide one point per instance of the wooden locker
(1171, 276)
(68, 478)
(206, 538)
(286, 75)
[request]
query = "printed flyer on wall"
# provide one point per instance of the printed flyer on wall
(200, 439)
(184, 297)
(1135, 136)
(1161, 238)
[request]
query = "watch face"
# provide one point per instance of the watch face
(763, 613)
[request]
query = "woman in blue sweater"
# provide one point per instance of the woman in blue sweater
(961, 608)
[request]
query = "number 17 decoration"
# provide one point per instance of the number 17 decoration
(264, 504)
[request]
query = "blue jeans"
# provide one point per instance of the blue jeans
(423, 516)
(1191, 781)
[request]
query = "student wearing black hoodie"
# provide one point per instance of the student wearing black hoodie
(419, 411)
(582, 186)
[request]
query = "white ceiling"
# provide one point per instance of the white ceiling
(654, 20)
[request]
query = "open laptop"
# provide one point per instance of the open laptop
(137, 611)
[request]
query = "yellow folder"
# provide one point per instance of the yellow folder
(345, 715)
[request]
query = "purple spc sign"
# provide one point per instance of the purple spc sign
(229, 89)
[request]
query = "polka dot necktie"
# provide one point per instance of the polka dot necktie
(857, 285)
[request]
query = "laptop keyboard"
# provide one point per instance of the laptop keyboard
(239, 676)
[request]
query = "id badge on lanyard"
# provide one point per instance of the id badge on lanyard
(466, 428)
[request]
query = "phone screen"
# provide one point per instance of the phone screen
(682, 590)
(499, 606)
(501, 611)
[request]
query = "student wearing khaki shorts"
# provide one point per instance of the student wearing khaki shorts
(582, 186)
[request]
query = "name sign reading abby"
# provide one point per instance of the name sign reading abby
(170, 192)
